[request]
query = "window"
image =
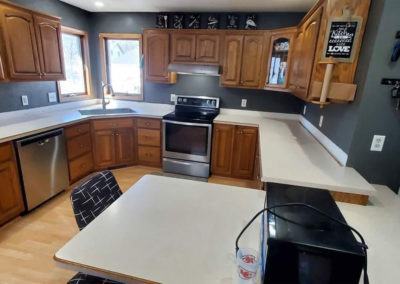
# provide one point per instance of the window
(121, 67)
(77, 69)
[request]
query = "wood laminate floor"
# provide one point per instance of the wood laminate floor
(28, 243)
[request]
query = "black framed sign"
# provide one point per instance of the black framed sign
(178, 21)
(341, 39)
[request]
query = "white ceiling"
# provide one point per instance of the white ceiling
(194, 5)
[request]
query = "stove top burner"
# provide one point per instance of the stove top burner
(194, 109)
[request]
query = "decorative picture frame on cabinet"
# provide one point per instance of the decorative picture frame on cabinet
(212, 22)
(178, 21)
(162, 21)
(251, 22)
(232, 22)
(194, 21)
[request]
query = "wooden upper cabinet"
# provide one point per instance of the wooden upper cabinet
(33, 45)
(222, 148)
(2, 75)
(156, 54)
(279, 57)
(251, 60)
(245, 151)
(208, 48)
(242, 60)
(183, 47)
(232, 64)
(304, 54)
(21, 46)
(50, 48)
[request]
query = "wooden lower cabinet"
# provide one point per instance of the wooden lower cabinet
(79, 150)
(104, 148)
(149, 141)
(150, 156)
(11, 202)
(234, 151)
(222, 147)
(114, 142)
(243, 159)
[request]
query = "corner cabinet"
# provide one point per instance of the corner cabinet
(279, 57)
(156, 57)
(32, 44)
(242, 61)
(114, 142)
(234, 151)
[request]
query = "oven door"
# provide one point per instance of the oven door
(187, 141)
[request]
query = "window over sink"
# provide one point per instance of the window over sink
(121, 64)
(77, 68)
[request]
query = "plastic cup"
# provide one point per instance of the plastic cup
(247, 265)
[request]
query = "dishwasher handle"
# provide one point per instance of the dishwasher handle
(41, 139)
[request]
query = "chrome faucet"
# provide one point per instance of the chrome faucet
(109, 86)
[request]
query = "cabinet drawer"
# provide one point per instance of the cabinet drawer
(76, 130)
(112, 123)
(5, 152)
(149, 137)
(80, 167)
(149, 155)
(149, 123)
(79, 145)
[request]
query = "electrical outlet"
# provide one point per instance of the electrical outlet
(25, 100)
(52, 97)
(244, 103)
(173, 98)
(304, 109)
(321, 121)
(377, 143)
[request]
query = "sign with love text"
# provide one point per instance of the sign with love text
(341, 39)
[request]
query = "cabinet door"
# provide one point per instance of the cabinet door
(305, 45)
(156, 54)
(183, 47)
(11, 204)
(244, 152)
(252, 61)
(125, 146)
(232, 64)
(222, 147)
(48, 33)
(21, 46)
(208, 48)
(279, 58)
(104, 148)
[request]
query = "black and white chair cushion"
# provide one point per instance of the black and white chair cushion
(88, 201)
(82, 278)
(93, 197)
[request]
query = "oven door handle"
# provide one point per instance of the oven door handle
(188, 123)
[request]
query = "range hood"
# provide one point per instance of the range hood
(210, 70)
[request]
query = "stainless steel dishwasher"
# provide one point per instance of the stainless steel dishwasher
(43, 164)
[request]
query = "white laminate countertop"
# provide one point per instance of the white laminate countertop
(292, 155)
(168, 230)
(17, 124)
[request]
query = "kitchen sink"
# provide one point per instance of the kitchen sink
(106, 111)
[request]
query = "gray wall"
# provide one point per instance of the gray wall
(352, 126)
(377, 114)
(195, 85)
(37, 91)
(96, 23)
